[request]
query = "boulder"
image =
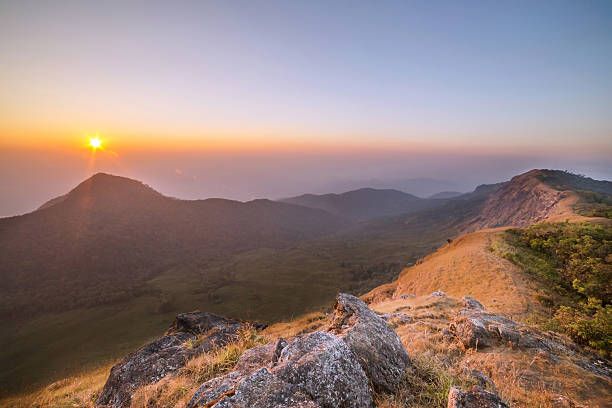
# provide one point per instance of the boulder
(340, 367)
(474, 398)
(397, 318)
(476, 328)
(262, 389)
(471, 303)
(378, 348)
(190, 334)
(313, 370)
(326, 369)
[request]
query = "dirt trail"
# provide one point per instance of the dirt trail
(468, 267)
(524, 377)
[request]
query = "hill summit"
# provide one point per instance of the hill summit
(103, 189)
(365, 203)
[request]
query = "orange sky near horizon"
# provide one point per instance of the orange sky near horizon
(307, 76)
(269, 142)
(245, 99)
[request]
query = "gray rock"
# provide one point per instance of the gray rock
(320, 369)
(255, 358)
(326, 369)
(397, 318)
(216, 390)
(475, 398)
(438, 293)
(259, 389)
(190, 334)
(314, 370)
(378, 348)
(477, 329)
(471, 303)
(483, 380)
(263, 389)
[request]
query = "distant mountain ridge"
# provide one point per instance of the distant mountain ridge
(445, 195)
(420, 186)
(113, 258)
(365, 203)
(533, 196)
(112, 231)
(109, 233)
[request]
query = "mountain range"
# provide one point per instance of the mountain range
(365, 203)
(112, 260)
(106, 236)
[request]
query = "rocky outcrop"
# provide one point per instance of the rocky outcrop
(190, 334)
(377, 347)
(474, 398)
(478, 329)
(471, 303)
(313, 370)
(522, 201)
(342, 367)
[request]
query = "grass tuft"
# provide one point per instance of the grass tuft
(176, 390)
(426, 384)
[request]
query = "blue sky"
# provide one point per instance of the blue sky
(519, 79)
(466, 72)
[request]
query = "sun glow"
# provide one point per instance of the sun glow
(95, 142)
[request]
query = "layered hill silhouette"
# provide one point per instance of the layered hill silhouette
(109, 233)
(96, 272)
(107, 236)
(534, 196)
(463, 315)
(366, 203)
(446, 194)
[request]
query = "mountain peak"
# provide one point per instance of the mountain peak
(565, 180)
(105, 190)
(104, 183)
(534, 196)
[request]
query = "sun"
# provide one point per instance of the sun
(95, 142)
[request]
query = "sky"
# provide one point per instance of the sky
(246, 99)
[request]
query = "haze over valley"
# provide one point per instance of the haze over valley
(305, 204)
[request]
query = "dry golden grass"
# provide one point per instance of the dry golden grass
(308, 322)
(78, 391)
(176, 390)
(535, 380)
(173, 391)
(468, 267)
(523, 378)
(425, 385)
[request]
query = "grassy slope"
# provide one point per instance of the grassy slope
(328, 257)
(263, 284)
(467, 267)
(275, 284)
(571, 262)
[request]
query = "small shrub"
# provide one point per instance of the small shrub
(573, 263)
(426, 384)
(589, 328)
(175, 390)
(223, 359)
